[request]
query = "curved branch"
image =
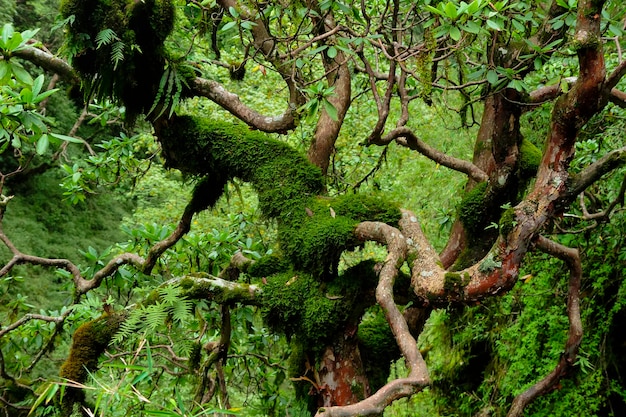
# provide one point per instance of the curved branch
(49, 62)
(404, 136)
(215, 92)
(418, 373)
(592, 173)
(575, 333)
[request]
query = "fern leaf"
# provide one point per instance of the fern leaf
(117, 53)
(105, 37)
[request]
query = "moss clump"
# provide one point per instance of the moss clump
(378, 347)
(473, 209)
(313, 312)
(296, 305)
(529, 159)
(128, 62)
(268, 265)
(507, 221)
(312, 231)
(88, 343)
(455, 282)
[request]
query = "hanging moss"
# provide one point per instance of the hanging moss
(88, 343)
(128, 63)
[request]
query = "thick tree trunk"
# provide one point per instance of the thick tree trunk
(341, 373)
(496, 153)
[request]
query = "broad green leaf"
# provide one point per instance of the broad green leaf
(494, 24)
(4, 69)
(42, 144)
(228, 26)
(455, 33)
(492, 77)
(434, 10)
(471, 27)
(450, 10)
(44, 95)
(16, 142)
(37, 84)
(332, 52)
(20, 73)
(330, 109)
(7, 33)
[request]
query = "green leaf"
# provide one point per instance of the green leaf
(471, 27)
(492, 77)
(494, 24)
(66, 138)
(4, 69)
(228, 26)
(332, 52)
(455, 33)
(20, 73)
(42, 144)
(450, 10)
(330, 109)
(37, 84)
(7, 33)
(434, 10)
(44, 95)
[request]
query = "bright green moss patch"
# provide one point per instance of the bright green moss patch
(313, 231)
(313, 312)
(529, 159)
(378, 347)
(507, 221)
(268, 265)
(472, 210)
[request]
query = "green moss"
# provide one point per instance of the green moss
(378, 347)
(473, 209)
(313, 232)
(88, 343)
(268, 265)
(455, 282)
(507, 221)
(529, 159)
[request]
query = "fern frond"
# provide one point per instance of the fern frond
(105, 37)
(157, 99)
(117, 53)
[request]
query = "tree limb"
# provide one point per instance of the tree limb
(215, 92)
(418, 373)
(404, 136)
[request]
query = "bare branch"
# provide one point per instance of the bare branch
(215, 92)
(405, 137)
(592, 173)
(49, 62)
(618, 98)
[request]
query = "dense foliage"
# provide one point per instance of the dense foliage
(288, 208)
